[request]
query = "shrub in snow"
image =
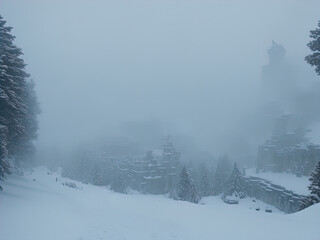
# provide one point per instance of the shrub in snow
(235, 187)
(308, 201)
(186, 189)
(231, 199)
(70, 184)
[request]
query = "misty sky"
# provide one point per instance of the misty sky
(193, 64)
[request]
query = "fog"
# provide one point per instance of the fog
(185, 68)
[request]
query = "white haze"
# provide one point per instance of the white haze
(194, 66)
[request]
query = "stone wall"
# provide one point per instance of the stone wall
(278, 196)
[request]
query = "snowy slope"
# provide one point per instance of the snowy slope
(287, 180)
(46, 210)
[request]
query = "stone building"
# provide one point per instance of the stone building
(288, 150)
(152, 174)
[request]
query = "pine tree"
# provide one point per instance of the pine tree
(204, 187)
(119, 183)
(314, 189)
(315, 182)
(6, 39)
(30, 121)
(9, 100)
(18, 124)
(13, 82)
(4, 164)
(235, 185)
(97, 177)
(83, 170)
(308, 201)
(314, 45)
(221, 175)
(13, 110)
(170, 161)
(186, 188)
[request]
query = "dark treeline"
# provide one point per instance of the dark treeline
(18, 105)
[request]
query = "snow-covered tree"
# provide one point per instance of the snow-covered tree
(315, 182)
(5, 40)
(83, 170)
(30, 122)
(170, 162)
(12, 108)
(204, 186)
(308, 201)
(97, 177)
(314, 188)
(4, 164)
(235, 186)
(186, 188)
(221, 175)
(19, 109)
(314, 45)
(119, 183)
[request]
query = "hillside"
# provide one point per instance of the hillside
(36, 207)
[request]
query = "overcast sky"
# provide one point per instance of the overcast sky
(195, 64)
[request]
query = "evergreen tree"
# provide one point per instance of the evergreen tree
(97, 177)
(314, 45)
(83, 170)
(19, 109)
(221, 175)
(186, 188)
(211, 176)
(204, 187)
(6, 38)
(235, 185)
(30, 122)
(13, 109)
(314, 188)
(315, 182)
(4, 164)
(308, 201)
(119, 183)
(5, 41)
(10, 103)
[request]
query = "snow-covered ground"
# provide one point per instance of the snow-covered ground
(288, 180)
(44, 209)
